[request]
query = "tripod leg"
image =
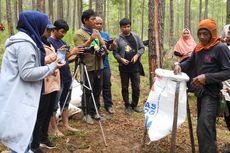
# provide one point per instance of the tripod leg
(94, 103)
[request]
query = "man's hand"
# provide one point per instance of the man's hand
(199, 80)
(134, 59)
(177, 69)
(77, 50)
(124, 61)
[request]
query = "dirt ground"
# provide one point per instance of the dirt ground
(124, 134)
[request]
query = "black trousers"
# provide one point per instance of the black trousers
(95, 78)
(227, 116)
(134, 77)
(206, 124)
(45, 110)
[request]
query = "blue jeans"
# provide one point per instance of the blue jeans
(206, 124)
(106, 90)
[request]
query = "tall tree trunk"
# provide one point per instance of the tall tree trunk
(126, 8)
(200, 11)
(186, 13)
(41, 5)
(74, 14)
(79, 12)
(130, 10)
(142, 18)
(15, 12)
(152, 54)
(60, 9)
(51, 10)
(228, 12)
(0, 11)
(206, 9)
(99, 8)
(161, 16)
(105, 19)
(189, 14)
(90, 4)
(20, 4)
(156, 34)
(171, 29)
(68, 11)
(9, 17)
(33, 5)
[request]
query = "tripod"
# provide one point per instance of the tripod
(84, 73)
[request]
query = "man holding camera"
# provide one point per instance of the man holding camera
(87, 37)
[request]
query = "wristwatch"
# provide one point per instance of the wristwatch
(176, 63)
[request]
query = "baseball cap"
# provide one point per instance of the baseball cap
(50, 26)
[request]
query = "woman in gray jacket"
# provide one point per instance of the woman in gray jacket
(21, 76)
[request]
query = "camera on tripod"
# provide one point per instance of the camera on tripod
(96, 50)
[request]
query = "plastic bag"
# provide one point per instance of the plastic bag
(159, 107)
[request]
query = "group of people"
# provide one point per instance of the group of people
(208, 65)
(35, 82)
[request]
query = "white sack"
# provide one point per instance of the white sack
(159, 107)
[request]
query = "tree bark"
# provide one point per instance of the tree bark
(90, 4)
(152, 54)
(189, 14)
(228, 12)
(126, 8)
(60, 9)
(68, 11)
(206, 10)
(105, 15)
(9, 17)
(41, 5)
(51, 10)
(15, 12)
(99, 8)
(74, 14)
(171, 30)
(0, 11)
(20, 4)
(79, 12)
(186, 13)
(142, 19)
(130, 10)
(200, 11)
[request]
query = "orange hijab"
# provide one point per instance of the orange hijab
(210, 25)
(185, 46)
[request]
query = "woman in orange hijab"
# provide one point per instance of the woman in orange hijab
(184, 46)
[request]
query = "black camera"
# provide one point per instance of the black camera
(101, 51)
(89, 49)
(98, 52)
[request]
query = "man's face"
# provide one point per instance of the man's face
(228, 39)
(204, 36)
(126, 29)
(60, 33)
(98, 24)
(90, 23)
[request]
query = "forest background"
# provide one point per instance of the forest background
(160, 21)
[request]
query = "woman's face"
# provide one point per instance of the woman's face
(186, 34)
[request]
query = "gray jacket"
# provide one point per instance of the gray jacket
(119, 52)
(20, 89)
